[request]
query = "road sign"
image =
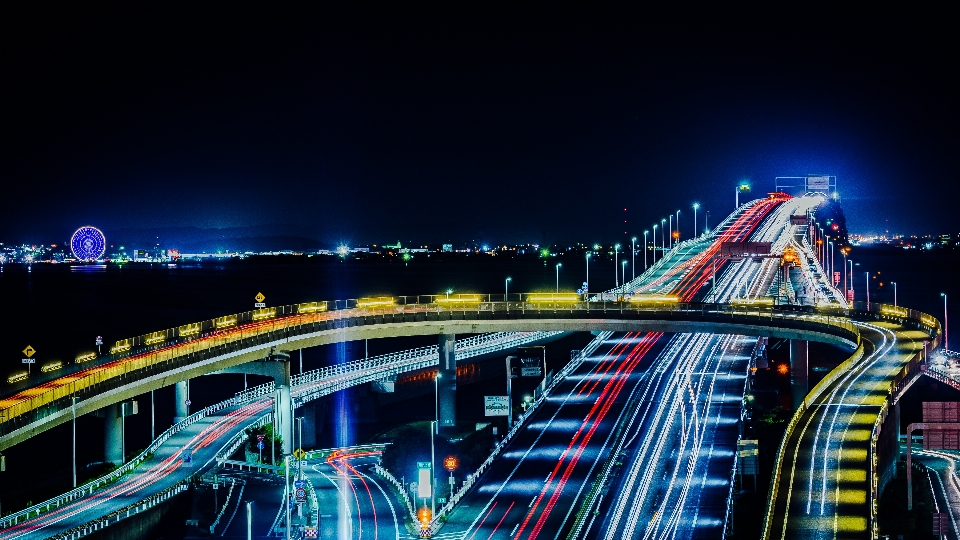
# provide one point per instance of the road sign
(299, 483)
(495, 406)
(260, 445)
(303, 463)
(299, 453)
(29, 360)
(29, 351)
(424, 465)
(216, 486)
(310, 532)
(187, 403)
(260, 298)
(99, 341)
(301, 495)
(260, 437)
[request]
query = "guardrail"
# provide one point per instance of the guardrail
(259, 334)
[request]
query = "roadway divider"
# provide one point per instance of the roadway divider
(438, 520)
(125, 512)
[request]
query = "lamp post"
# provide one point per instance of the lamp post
(696, 206)
(670, 230)
(506, 289)
(655, 243)
(946, 327)
(894, 283)
(633, 257)
(868, 289)
(645, 250)
(433, 483)
(678, 227)
(845, 289)
(623, 274)
(616, 248)
(588, 271)
(436, 401)
(73, 412)
(558, 276)
(663, 243)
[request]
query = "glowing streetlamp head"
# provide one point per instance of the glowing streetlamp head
(696, 206)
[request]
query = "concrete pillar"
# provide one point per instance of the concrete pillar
(182, 395)
(283, 405)
(447, 384)
(799, 371)
(112, 434)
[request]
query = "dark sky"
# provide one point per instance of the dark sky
(369, 127)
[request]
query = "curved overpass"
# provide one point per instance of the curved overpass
(141, 367)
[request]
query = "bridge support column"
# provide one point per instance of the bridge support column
(283, 404)
(447, 383)
(308, 425)
(113, 434)
(799, 371)
(182, 395)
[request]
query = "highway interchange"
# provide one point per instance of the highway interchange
(663, 408)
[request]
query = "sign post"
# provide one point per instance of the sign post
(29, 360)
(260, 298)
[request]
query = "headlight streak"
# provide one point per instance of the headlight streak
(506, 481)
(131, 486)
(597, 413)
(863, 367)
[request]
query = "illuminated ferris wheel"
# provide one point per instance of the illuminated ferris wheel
(88, 244)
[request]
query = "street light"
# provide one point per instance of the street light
(678, 226)
(696, 206)
(663, 243)
(868, 290)
(671, 231)
(616, 248)
(655, 243)
(633, 257)
(946, 327)
(436, 382)
(506, 289)
(623, 275)
(558, 276)
(745, 187)
(588, 272)
(894, 283)
(645, 250)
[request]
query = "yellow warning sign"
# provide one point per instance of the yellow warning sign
(29, 351)
(259, 297)
(299, 453)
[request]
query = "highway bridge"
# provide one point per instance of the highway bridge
(667, 298)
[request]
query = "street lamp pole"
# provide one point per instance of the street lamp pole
(696, 206)
(645, 250)
(436, 401)
(73, 412)
(678, 227)
(671, 231)
(894, 283)
(655, 243)
(946, 326)
(433, 483)
(623, 274)
(558, 276)
(616, 248)
(506, 289)
(633, 257)
(588, 272)
(663, 243)
(868, 289)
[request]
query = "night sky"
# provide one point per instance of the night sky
(369, 127)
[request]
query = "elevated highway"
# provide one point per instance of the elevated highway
(159, 359)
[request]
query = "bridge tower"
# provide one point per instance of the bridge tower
(181, 392)
(447, 383)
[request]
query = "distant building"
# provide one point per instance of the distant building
(448, 247)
